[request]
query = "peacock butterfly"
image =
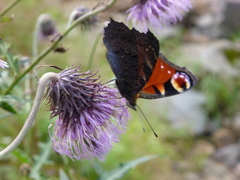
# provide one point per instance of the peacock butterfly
(140, 70)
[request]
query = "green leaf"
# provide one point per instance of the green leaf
(21, 156)
(6, 106)
(7, 100)
(40, 160)
(97, 167)
(4, 48)
(63, 175)
(6, 19)
(122, 169)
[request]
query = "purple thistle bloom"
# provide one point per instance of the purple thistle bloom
(157, 13)
(91, 116)
(3, 64)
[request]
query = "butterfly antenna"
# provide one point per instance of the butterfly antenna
(147, 121)
(141, 120)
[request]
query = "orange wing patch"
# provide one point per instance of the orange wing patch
(162, 72)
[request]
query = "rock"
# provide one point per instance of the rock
(205, 18)
(231, 21)
(211, 57)
(223, 137)
(236, 123)
(213, 19)
(236, 171)
(182, 111)
(192, 176)
(228, 155)
(204, 148)
(186, 111)
(212, 170)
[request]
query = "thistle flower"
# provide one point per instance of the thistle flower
(45, 27)
(80, 11)
(157, 13)
(91, 116)
(3, 64)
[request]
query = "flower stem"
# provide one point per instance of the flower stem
(93, 51)
(45, 79)
(9, 8)
(50, 48)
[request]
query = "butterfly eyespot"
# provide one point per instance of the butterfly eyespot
(180, 81)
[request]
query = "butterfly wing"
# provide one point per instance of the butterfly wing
(141, 72)
(167, 79)
(132, 56)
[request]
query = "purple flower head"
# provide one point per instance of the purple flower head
(3, 64)
(46, 27)
(91, 116)
(157, 13)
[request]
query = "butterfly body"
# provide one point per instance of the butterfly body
(141, 72)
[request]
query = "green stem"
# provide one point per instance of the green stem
(9, 8)
(37, 59)
(93, 51)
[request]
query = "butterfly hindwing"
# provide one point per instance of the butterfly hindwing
(167, 79)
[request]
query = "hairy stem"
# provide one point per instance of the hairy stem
(9, 8)
(45, 79)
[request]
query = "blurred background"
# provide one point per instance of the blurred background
(198, 131)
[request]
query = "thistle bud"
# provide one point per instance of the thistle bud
(46, 27)
(80, 11)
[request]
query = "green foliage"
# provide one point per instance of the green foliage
(222, 95)
(63, 175)
(12, 60)
(123, 168)
(172, 146)
(41, 159)
(235, 36)
(6, 19)
(233, 55)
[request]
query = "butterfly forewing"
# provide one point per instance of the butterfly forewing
(148, 50)
(132, 56)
